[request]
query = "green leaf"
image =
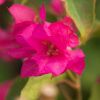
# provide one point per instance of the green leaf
(98, 10)
(32, 88)
(95, 95)
(9, 70)
(92, 69)
(16, 88)
(83, 14)
(32, 2)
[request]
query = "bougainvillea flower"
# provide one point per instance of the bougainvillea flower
(2, 1)
(52, 43)
(4, 89)
(52, 54)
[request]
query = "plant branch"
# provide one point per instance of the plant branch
(65, 93)
(70, 83)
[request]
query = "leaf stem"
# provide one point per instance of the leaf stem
(72, 77)
(65, 93)
(71, 84)
(79, 94)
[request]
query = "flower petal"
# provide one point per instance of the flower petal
(40, 32)
(77, 61)
(73, 40)
(19, 27)
(57, 6)
(2, 1)
(4, 89)
(42, 12)
(59, 35)
(25, 37)
(31, 68)
(20, 53)
(56, 66)
(21, 13)
(65, 35)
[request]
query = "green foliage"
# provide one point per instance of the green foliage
(85, 15)
(95, 95)
(98, 10)
(32, 88)
(8, 70)
(82, 12)
(92, 70)
(16, 88)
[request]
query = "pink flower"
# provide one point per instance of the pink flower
(21, 13)
(52, 43)
(57, 6)
(5, 43)
(10, 49)
(4, 89)
(2, 1)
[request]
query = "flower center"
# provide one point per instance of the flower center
(51, 49)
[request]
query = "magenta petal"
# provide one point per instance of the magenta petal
(20, 53)
(25, 37)
(19, 27)
(56, 68)
(68, 21)
(2, 1)
(65, 35)
(4, 89)
(73, 40)
(5, 43)
(3, 34)
(77, 61)
(53, 65)
(21, 13)
(31, 68)
(57, 6)
(40, 33)
(42, 12)
(57, 65)
(59, 35)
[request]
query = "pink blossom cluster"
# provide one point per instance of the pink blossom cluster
(44, 47)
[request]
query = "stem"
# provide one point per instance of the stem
(71, 84)
(72, 77)
(75, 84)
(65, 5)
(79, 94)
(65, 93)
